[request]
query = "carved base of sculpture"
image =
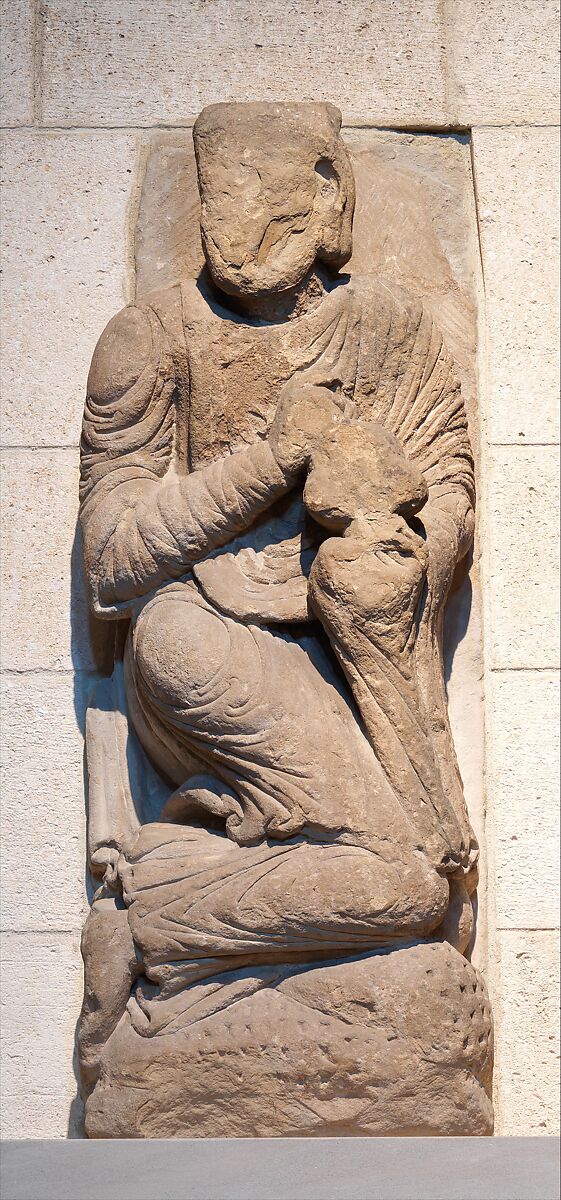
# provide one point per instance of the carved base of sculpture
(395, 1043)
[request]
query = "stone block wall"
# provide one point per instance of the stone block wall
(84, 84)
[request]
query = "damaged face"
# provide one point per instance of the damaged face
(274, 196)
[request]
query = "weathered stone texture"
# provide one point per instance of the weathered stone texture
(428, 241)
(42, 752)
(191, 54)
(527, 1038)
(16, 62)
(503, 61)
(523, 785)
(404, 63)
(40, 986)
(517, 181)
(338, 1049)
(523, 602)
(45, 621)
(65, 263)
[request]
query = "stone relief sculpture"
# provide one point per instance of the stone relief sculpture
(277, 485)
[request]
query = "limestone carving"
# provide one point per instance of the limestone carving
(277, 485)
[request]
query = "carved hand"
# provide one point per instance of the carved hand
(103, 863)
(371, 577)
(304, 414)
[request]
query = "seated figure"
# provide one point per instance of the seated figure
(277, 485)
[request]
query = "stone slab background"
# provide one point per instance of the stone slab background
(84, 85)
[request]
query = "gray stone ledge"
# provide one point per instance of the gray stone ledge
(283, 1169)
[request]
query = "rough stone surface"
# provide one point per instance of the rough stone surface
(517, 180)
(427, 242)
(40, 987)
(392, 69)
(503, 65)
(45, 711)
(403, 63)
(523, 522)
(527, 1042)
(337, 1049)
(45, 619)
(65, 268)
(463, 671)
(523, 781)
(16, 62)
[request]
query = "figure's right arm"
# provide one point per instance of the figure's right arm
(143, 522)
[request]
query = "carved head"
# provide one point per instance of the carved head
(277, 193)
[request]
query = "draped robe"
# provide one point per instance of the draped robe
(181, 395)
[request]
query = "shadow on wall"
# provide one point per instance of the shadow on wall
(457, 613)
(92, 650)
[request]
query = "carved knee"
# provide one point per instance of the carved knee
(180, 648)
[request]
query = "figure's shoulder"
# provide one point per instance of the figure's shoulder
(121, 354)
(377, 294)
(394, 322)
(166, 304)
(130, 342)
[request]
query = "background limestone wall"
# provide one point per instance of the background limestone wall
(84, 82)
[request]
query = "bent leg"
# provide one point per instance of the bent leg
(269, 717)
(195, 894)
